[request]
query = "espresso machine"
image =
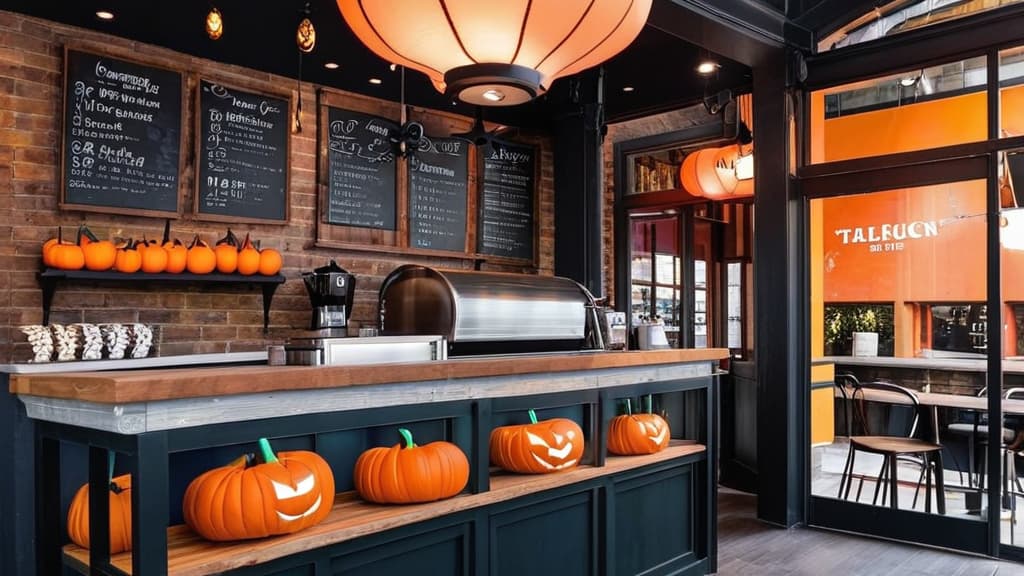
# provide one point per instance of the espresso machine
(331, 293)
(331, 290)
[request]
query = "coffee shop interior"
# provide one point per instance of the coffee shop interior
(818, 201)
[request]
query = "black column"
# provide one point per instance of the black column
(579, 175)
(779, 289)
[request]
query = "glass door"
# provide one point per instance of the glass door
(655, 266)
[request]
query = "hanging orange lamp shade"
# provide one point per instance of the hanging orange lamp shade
(688, 175)
(496, 52)
(725, 167)
(707, 175)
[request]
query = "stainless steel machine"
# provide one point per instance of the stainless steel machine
(331, 290)
(490, 312)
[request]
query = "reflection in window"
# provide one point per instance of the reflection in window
(842, 320)
(896, 17)
(734, 306)
(958, 329)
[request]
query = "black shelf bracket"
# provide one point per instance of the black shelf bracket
(50, 278)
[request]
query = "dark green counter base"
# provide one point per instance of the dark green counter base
(645, 521)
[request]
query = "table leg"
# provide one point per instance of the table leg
(940, 482)
(893, 480)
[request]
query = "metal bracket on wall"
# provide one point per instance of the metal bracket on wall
(50, 278)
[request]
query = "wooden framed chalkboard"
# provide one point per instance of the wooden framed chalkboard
(507, 206)
(122, 146)
(242, 154)
(361, 178)
(438, 194)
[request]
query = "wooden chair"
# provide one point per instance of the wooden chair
(888, 422)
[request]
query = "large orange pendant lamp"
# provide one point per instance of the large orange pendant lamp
(496, 52)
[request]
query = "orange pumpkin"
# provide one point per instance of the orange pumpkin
(248, 258)
(411, 473)
(200, 259)
(630, 434)
(226, 252)
(245, 499)
(66, 256)
(537, 447)
(270, 262)
(128, 259)
(177, 256)
(99, 255)
(49, 244)
(120, 515)
(154, 257)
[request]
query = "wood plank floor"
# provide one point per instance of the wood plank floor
(747, 546)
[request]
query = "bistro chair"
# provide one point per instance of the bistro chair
(974, 425)
(887, 416)
(1011, 483)
(844, 383)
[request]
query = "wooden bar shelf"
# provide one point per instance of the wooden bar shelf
(188, 554)
(50, 278)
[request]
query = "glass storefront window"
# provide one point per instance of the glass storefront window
(928, 108)
(904, 268)
(1011, 93)
(734, 306)
(655, 171)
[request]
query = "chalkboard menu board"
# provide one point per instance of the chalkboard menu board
(122, 134)
(438, 183)
(243, 154)
(506, 204)
(361, 170)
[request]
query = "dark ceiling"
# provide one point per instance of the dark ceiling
(260, 35)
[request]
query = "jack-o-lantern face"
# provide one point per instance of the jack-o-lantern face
(631, 434)
(538, 447)
(284, 494)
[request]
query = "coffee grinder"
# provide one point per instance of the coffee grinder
(331, 290)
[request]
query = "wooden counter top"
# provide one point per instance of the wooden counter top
(133, 386)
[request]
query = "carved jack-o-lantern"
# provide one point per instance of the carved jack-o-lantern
(631, 434)
(284, 494)
(538, 447)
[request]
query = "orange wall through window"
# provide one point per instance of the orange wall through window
(907, 246)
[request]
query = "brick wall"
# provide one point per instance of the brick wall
(188, 318)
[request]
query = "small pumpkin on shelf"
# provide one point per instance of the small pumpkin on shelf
(226, 252)
(177, 256)
(256, 497)
(99, 255)
(154, 257)
(128, 259)
(201, 259)
(120, 489)
(63, 254)
(537, 447)
(409, 474)
(248, 258)
(270, 262)
(632, 434)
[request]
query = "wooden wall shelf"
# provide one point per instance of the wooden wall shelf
(50, 278)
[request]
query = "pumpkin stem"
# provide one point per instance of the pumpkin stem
(83, 230)
(167, 231)
(60, 234)
(533, 416)
(407, 436)
(110, 473)
(629, 406)
(650, 401)
(267, 452)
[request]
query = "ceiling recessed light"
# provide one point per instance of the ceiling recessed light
(707, 67)
(909, 81)
(104, 15)
(494, 95)
(331, 65)
(393, 67)
(376, 81)
(628, 88)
